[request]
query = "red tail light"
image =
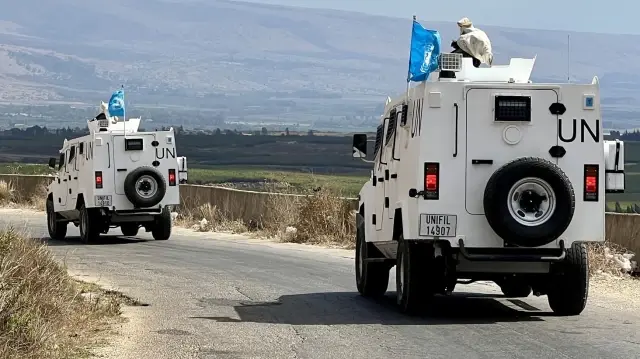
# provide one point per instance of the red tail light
(431, 180)
(98, 179)
(591, 185)
(172, 177)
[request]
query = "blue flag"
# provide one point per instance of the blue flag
(116, 104)
(425, 50)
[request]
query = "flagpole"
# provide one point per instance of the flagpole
(409, 67)
(124, 113)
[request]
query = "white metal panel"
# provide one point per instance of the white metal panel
(501, 142)
(582, 137)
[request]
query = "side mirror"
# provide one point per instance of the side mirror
(52, 163)
(359, 145)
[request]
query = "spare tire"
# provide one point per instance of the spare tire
(144, 187)
(529, 202)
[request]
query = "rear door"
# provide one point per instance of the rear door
(502, 125)
(131, 152)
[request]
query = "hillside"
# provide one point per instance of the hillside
(250, 61)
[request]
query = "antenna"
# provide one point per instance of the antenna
(568, 58)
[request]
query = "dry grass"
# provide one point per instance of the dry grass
(10, 197)
(208, 217)
(43, 312)
(7, 193)
(601, 261)
(322, 218)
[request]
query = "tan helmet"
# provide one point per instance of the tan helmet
(465, 22)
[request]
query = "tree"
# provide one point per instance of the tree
(264, 131)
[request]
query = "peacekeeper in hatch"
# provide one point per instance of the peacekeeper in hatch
(473, 43)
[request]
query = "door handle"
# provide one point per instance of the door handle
(482, 162)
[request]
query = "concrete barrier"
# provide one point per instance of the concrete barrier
(622, 229)
(238, 204)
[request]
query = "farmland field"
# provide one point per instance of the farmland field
(250, 178)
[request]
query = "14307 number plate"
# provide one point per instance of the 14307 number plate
(438, 225)
(102, 201)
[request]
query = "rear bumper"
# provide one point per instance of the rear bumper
(132, 215)
(513, 254)
(136, 212)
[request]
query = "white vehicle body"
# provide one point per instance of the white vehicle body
(116, 176)
(454, 161)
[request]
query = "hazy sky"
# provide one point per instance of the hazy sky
(610, 16)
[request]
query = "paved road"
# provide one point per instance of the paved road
(217, 296)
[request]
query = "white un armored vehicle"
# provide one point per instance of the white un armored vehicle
(480, 174)
(115, 176)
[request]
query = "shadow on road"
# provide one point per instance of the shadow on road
(351, 308)
(102, 240)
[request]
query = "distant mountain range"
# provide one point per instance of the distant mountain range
(250, 59)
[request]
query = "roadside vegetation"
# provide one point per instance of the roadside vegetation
(319, 218)
(44, 313)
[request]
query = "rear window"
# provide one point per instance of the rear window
(134, 144)
(513, 108)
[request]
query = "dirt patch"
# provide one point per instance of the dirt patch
(615, 292)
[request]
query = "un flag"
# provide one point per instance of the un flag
(116, 104)
(425, 50)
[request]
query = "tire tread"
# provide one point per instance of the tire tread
(162, 227)
(375, 276)
(570, 290)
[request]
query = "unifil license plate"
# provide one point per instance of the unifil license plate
(102, 201)
(437, 225)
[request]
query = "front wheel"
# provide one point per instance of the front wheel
(570, 285)
(57, 229)
(162, 226)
